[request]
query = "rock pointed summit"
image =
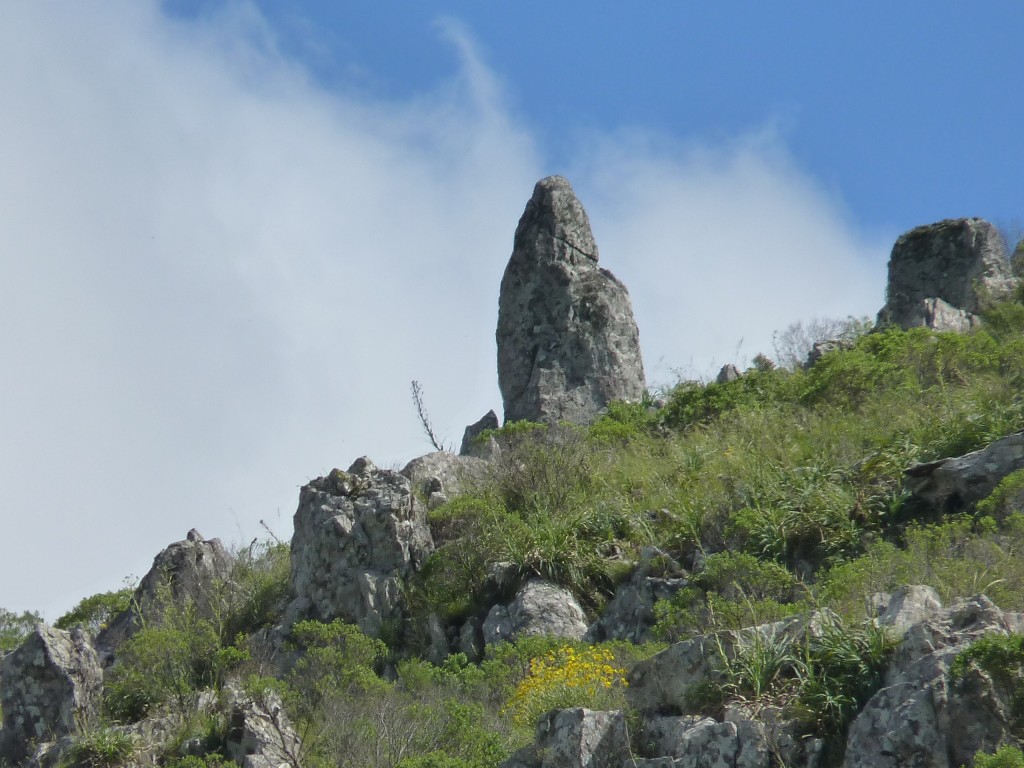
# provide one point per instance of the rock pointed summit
(567, 341)
(941, 274)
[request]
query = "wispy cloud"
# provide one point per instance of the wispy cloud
(219, 278)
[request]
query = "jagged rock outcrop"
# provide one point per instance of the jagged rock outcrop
(906, 606)
(194, 570)
(948, 485)
(629, 615)
(50, 687)
(576, 738)
(358, 535)
(728, 372)
(470, 445)
(921, 717)
(260, 735)
(440, 476)
(539, 608)
(567, 341)
(941, 274)
(696, 742)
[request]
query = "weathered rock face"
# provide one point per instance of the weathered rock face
(49, 688)
(260, 735)
(539, 608)
(695, 742)
(576, 738)
(940, 274)
(567, 341)
(922, 717)
(358, 534)
(629, 615)
(441, 476)
(190, 571)
(950, 484)
(469, 438)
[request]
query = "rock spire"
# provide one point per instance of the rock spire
(567, 341)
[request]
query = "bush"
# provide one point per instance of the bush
(168, 660)
(102, 748)
(821, 678)
(566, 677)
(1006, 499)
(1005, 757)
(15, 627)
(95, 612)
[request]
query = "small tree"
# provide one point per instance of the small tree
(14, 628)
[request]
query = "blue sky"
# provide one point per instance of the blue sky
(904, 110)
(234, 232)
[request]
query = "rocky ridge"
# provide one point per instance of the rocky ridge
(361, 535)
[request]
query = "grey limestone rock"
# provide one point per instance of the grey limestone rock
(50, 687)
(629, 615)
(260, 735)
(953, 483)
(728, 372)
(575, 738)
(470, 446)
(567, 341)
(922, 718)
(358, 535)
(539, 608)
(693, 742)
(941, 274)
(445, 473)
(908, 606)
(187, 571)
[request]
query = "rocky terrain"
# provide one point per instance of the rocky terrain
(608, 580)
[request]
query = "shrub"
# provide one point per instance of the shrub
(167, 660)
(259, 579)
(1002, 657)
(14, 628)
(95, 612)
(1005, 757)
(567, 677)
(821, 678)
(102, 748)
(1006, 499)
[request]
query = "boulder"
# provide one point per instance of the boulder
(922, 717)
(193, 570)
(906, 607)
(940, 275)
(260, 734)
(443, 473)
(539, 608)
(358, 535)
(470, 446)
(50, 687)
(949, 485)
(576, 738)
(567, 341)
(696, 742)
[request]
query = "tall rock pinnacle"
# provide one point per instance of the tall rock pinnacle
(567, 341)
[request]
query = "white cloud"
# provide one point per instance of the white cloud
(219, 279)
(721, 246)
